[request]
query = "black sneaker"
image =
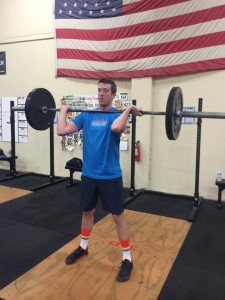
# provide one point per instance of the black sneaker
(77, 253)
(125, 270)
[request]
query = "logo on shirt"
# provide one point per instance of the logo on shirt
(99, 122)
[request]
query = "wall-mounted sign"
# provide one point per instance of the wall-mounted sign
(188, 120)
(2, 63)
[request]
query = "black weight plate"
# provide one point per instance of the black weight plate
(36, 117)
(174, 105)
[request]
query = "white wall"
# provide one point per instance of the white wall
(174, 163)
(27, 36)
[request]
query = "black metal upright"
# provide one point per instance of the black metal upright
(197, 199)
(52, 158)
(133, 138)
(133, 193)
(13, 146)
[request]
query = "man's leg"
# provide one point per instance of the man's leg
(123, 235)
(86, 228)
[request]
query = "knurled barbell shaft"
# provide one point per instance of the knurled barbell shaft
(212, 115)
(45, 109)
(181, 114)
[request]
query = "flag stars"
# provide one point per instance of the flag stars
(88, 8)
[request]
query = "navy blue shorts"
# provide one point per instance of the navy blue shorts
(110, 192)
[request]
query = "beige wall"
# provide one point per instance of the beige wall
(173, 162)
(167, 166)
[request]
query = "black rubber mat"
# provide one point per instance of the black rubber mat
(28, 181)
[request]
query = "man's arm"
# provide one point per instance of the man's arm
(64, 127)
(119, 125)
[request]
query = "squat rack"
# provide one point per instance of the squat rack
(197, 201)
(52, 178)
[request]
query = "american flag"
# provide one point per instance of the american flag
(138, 38)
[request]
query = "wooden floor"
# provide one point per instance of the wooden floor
(8, 193)
(156, 241)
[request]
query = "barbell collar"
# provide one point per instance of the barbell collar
(17, 108)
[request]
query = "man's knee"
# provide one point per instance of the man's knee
(88, 214)
(118, 219)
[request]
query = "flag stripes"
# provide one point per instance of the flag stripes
(182, 37)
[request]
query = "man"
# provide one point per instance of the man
(101, 171)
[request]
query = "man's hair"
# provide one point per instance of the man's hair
(111, 82)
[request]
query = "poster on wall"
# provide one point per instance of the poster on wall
(90, 102)
(21, 131)
(2, 63)
(188, 120)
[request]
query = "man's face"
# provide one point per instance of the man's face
(105, 96)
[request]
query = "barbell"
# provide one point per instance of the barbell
(40, 110)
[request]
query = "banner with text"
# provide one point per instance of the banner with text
(2, 63)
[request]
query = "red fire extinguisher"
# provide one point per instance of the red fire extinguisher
(137, 151)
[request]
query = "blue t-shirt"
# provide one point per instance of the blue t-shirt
(100, 145)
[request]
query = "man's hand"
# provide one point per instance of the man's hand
(135, 111)
(64, 107)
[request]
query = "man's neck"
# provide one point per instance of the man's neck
(105, 107)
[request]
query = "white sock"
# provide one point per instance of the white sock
(126, 255)
(84, 243)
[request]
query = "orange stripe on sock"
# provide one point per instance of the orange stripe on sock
(85, 232)
(125, 244)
